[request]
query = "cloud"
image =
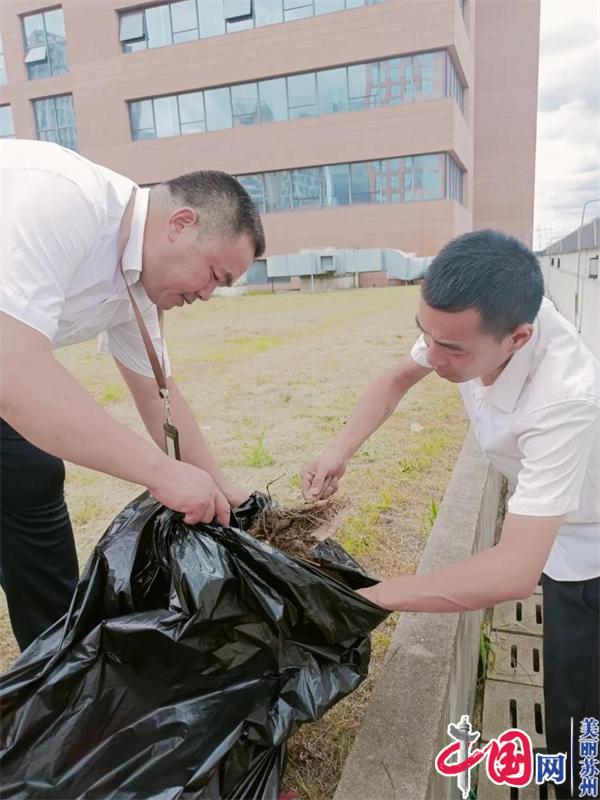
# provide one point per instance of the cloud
(568, 153)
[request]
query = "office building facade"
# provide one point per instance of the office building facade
(352, 123)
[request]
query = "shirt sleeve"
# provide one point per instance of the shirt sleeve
(124, 343)
(418, 353)
(48, 228)
(555, 446)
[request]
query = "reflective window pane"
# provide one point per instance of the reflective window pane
(306, 187)
(333, 90)
(273, 100)
(55, 24)
(244, 102)
(191, 112)
(429, 75)
(363, 83)
(244, 24)
(166, 116)
(335, 181)
(360, 175)
(57, 56)
(33, 27)
(399, 81)
(268, 12)
(278, 191)
(131, 26)
(234, 9)
(302, 96)
(297, 9)
(158, 26)
(327, 6)
(254, 185)
(184, 16)
(7, 128)
(45, 114)
(210, 14)
(142, 119)
(218, 109)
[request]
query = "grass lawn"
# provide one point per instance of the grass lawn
(270, 378)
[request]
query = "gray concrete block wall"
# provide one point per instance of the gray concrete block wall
(430, 672)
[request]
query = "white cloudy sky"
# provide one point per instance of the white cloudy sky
(568, 136)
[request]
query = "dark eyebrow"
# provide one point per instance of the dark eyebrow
(448, 345)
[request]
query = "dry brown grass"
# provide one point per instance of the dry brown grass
(270, 379)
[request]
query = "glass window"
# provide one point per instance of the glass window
(333, 90)
(218, 109)
(360, 179)
(267, 12)
(131, 26)
(234, 9)
(335, 185)
(327, 6)
(429, 75)
(184, 19)
(273, 100)
(191, 112)
(278, 191)
(306, 187)
(302, 95)
(45, 44)
(141, 115)
(166, 116)
(212, 20)
(297, 9)
(396, 74)
(257, 272)
(428, 177)
(255, 187)
(55, 120)
(363, 84)
(7, 128)
(158, 26)
(244, 103)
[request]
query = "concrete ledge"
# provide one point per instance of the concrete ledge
(431, 668)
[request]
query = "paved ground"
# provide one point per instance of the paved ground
(270, 378)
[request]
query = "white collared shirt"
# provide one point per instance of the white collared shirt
(539, 425)
(59, 235)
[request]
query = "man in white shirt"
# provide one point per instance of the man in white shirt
(60, 231)
(532, 391)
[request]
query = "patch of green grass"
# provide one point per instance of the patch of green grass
(360, 533)
(433, 513)
(295, 482)
(257, 455)
(286, 398)
(112, 393)
(242, 347)
(379, 644)
(87, 511)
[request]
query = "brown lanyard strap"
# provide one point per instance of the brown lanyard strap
(157, 369)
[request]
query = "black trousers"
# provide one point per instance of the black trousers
(571, 666)
(38, 562)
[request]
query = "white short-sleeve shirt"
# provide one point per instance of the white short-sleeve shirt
(59, 232)
(539, 425)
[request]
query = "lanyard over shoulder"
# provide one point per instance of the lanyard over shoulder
(171, 435)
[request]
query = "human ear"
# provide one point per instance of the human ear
(180, 219)
(520, 336)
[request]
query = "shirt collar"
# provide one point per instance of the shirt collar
(506, 389)
(132, 255)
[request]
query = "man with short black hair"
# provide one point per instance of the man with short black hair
(531, 389)
(79, 244)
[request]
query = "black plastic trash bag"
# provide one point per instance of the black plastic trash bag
(189, 655)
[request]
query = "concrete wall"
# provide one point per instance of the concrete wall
(506, 83)
(430, 672)
(560, 280)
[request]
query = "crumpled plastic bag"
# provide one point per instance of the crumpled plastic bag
(190, 654)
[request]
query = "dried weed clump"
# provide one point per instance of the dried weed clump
(293, 529)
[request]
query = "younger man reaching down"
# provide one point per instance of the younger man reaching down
(531, 389)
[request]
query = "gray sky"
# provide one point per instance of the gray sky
(568, 134)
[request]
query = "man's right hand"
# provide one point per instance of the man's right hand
(192, 491)
(320, 478)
